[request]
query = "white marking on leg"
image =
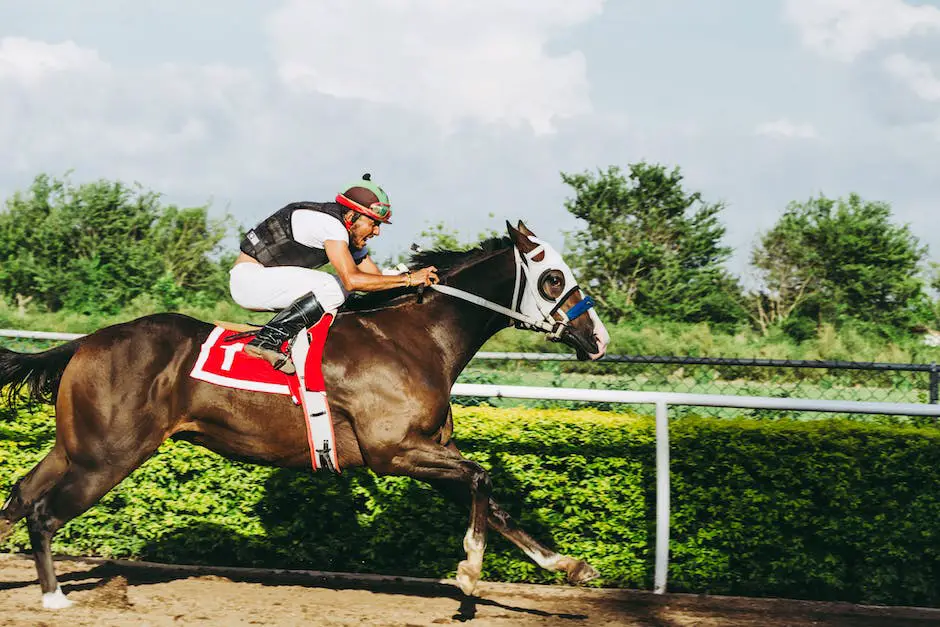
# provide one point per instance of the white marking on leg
(468, 571)
(474, 547)
(548, 562)
(55, 600)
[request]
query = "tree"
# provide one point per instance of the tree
(440, 236)
(651, 247)
(838, 260)
(933, 277)
(785, 269)
(94, 247)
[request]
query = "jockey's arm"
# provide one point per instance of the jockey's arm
(368, 266)
(355, 278)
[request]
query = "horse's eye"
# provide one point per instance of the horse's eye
(551, 284)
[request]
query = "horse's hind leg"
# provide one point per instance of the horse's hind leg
(27, 499)
(81, 487)
(31, 488)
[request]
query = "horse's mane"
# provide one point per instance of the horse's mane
(447, 263)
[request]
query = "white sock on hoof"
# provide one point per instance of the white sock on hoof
(55, 600)
(549, 562)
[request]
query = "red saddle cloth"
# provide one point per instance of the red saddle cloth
(225, 363)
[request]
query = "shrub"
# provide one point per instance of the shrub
(829, 510)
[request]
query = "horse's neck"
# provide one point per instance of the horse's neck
(463, 327)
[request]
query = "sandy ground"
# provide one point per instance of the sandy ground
(135, 594)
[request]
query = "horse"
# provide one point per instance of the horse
(389, 363)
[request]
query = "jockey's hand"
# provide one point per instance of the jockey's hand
(425, 276)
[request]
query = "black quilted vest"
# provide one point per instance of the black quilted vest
(272, 241)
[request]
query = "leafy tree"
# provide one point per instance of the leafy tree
(651, 247)
(189, 241)
(837, 261)
(94, 247)
(934, 278)
(440, 236)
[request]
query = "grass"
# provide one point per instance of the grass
(651, 337)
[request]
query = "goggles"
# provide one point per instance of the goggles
(380, 211)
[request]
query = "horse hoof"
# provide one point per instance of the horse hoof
(55, 600)
(581, 572)
(467, 577)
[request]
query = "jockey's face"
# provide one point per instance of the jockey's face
(362, 229)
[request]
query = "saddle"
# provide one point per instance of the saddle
(223, 361)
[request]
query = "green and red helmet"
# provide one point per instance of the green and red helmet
(367, 198)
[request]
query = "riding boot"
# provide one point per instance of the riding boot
(283, 327)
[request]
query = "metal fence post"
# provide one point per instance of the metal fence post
(934, 381)
(662, 497)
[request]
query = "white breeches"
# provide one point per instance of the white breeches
(258, 288)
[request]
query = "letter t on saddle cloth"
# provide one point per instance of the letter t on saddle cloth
(223, 361)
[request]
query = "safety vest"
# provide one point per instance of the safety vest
(272, 241)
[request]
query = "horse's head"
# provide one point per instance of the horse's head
(546, 290)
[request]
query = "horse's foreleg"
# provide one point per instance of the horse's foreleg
(576, 571)
(434, 463)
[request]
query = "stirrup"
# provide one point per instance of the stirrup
(282, 362)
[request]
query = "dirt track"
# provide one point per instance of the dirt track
(123, 594)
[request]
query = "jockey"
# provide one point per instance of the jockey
(276, 267)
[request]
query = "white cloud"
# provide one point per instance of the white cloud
(28, 61)
(64, 107)
(251, 140)
(785, 129)
(917, 75)
(484, 61)
(844, 29)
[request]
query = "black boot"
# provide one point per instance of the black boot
(283, 327)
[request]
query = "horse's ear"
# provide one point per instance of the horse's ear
(520, 239)
(524, 229)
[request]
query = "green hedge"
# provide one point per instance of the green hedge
(827, 510)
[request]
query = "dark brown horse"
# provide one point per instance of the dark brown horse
(389, 363)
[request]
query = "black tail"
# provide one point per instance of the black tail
(38, 372)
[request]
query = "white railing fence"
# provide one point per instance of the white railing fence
(662, 401)
(39, 335)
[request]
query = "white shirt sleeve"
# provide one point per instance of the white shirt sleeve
(312, 228)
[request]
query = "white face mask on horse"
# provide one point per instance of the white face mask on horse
(544, 283)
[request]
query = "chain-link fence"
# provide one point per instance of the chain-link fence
(819, 380)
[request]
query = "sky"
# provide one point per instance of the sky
(467, 112)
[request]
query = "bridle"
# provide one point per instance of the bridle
(525, 286)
